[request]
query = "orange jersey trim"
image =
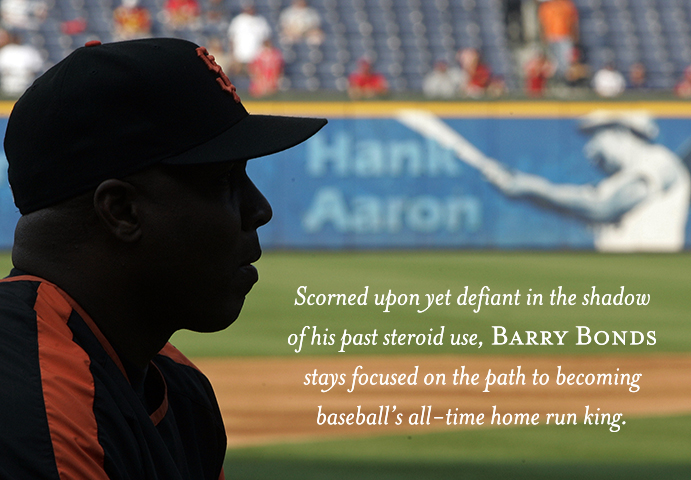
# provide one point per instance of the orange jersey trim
(68, 390)
(176, 355)
(162, 409)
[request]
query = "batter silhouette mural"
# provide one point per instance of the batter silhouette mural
(641, 205)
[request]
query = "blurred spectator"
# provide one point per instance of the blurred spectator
(181, 14)
(221, 56)
(479, 75)
(266, 71)
(559, 30)
(530, 24)
(247, 33)
(496, 87)
(216, 19)
(513, 19)
(130, 21)
(300, 22)
(638, 77)
(23, 14)
(366, 83)
(443, 82)
(608, 82)
(683, 88)
(538, 71)
(19, 65)
(578, 73)
(73, 27)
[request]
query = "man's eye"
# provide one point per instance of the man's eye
(229, 174)
(233, 173)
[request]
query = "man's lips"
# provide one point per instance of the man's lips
(249, 271)
(254, 257)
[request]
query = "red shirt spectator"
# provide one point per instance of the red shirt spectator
(538, 70)
(480, 77)
(365, 83)
(479, 74)
(266, 71)
(181, 13)
(683, 88)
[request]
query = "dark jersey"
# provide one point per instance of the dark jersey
(67, 409)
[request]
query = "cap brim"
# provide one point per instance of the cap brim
(253, 136)
(638, 121)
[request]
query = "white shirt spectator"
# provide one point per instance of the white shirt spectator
(444, 82)
(300, 21)
(19, 65)
(247, 33)
(22, 14)
(609, 83)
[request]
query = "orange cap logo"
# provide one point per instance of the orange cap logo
(222, 78)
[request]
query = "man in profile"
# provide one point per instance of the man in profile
(127, 163)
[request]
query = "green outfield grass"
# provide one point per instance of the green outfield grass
(5, 263)
(647, 449)
(270, 314)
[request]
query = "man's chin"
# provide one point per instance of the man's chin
(219, 321)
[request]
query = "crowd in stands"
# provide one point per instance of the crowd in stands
(470, 77)
(247, 45)
(557, 62)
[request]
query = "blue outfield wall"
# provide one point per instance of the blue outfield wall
(375, 183)
(8, 212)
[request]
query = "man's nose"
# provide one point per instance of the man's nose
(256, 208)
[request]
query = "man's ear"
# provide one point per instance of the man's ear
(115, 203)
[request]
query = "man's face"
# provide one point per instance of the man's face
(200, 240)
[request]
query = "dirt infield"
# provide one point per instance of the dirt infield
(264, 400)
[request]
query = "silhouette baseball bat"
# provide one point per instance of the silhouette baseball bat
(429, 125)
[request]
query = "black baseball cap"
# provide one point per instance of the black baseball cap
(111, 110)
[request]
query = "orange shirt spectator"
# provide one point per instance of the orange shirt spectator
(131, 21)
(559, 29)
(559, 20)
